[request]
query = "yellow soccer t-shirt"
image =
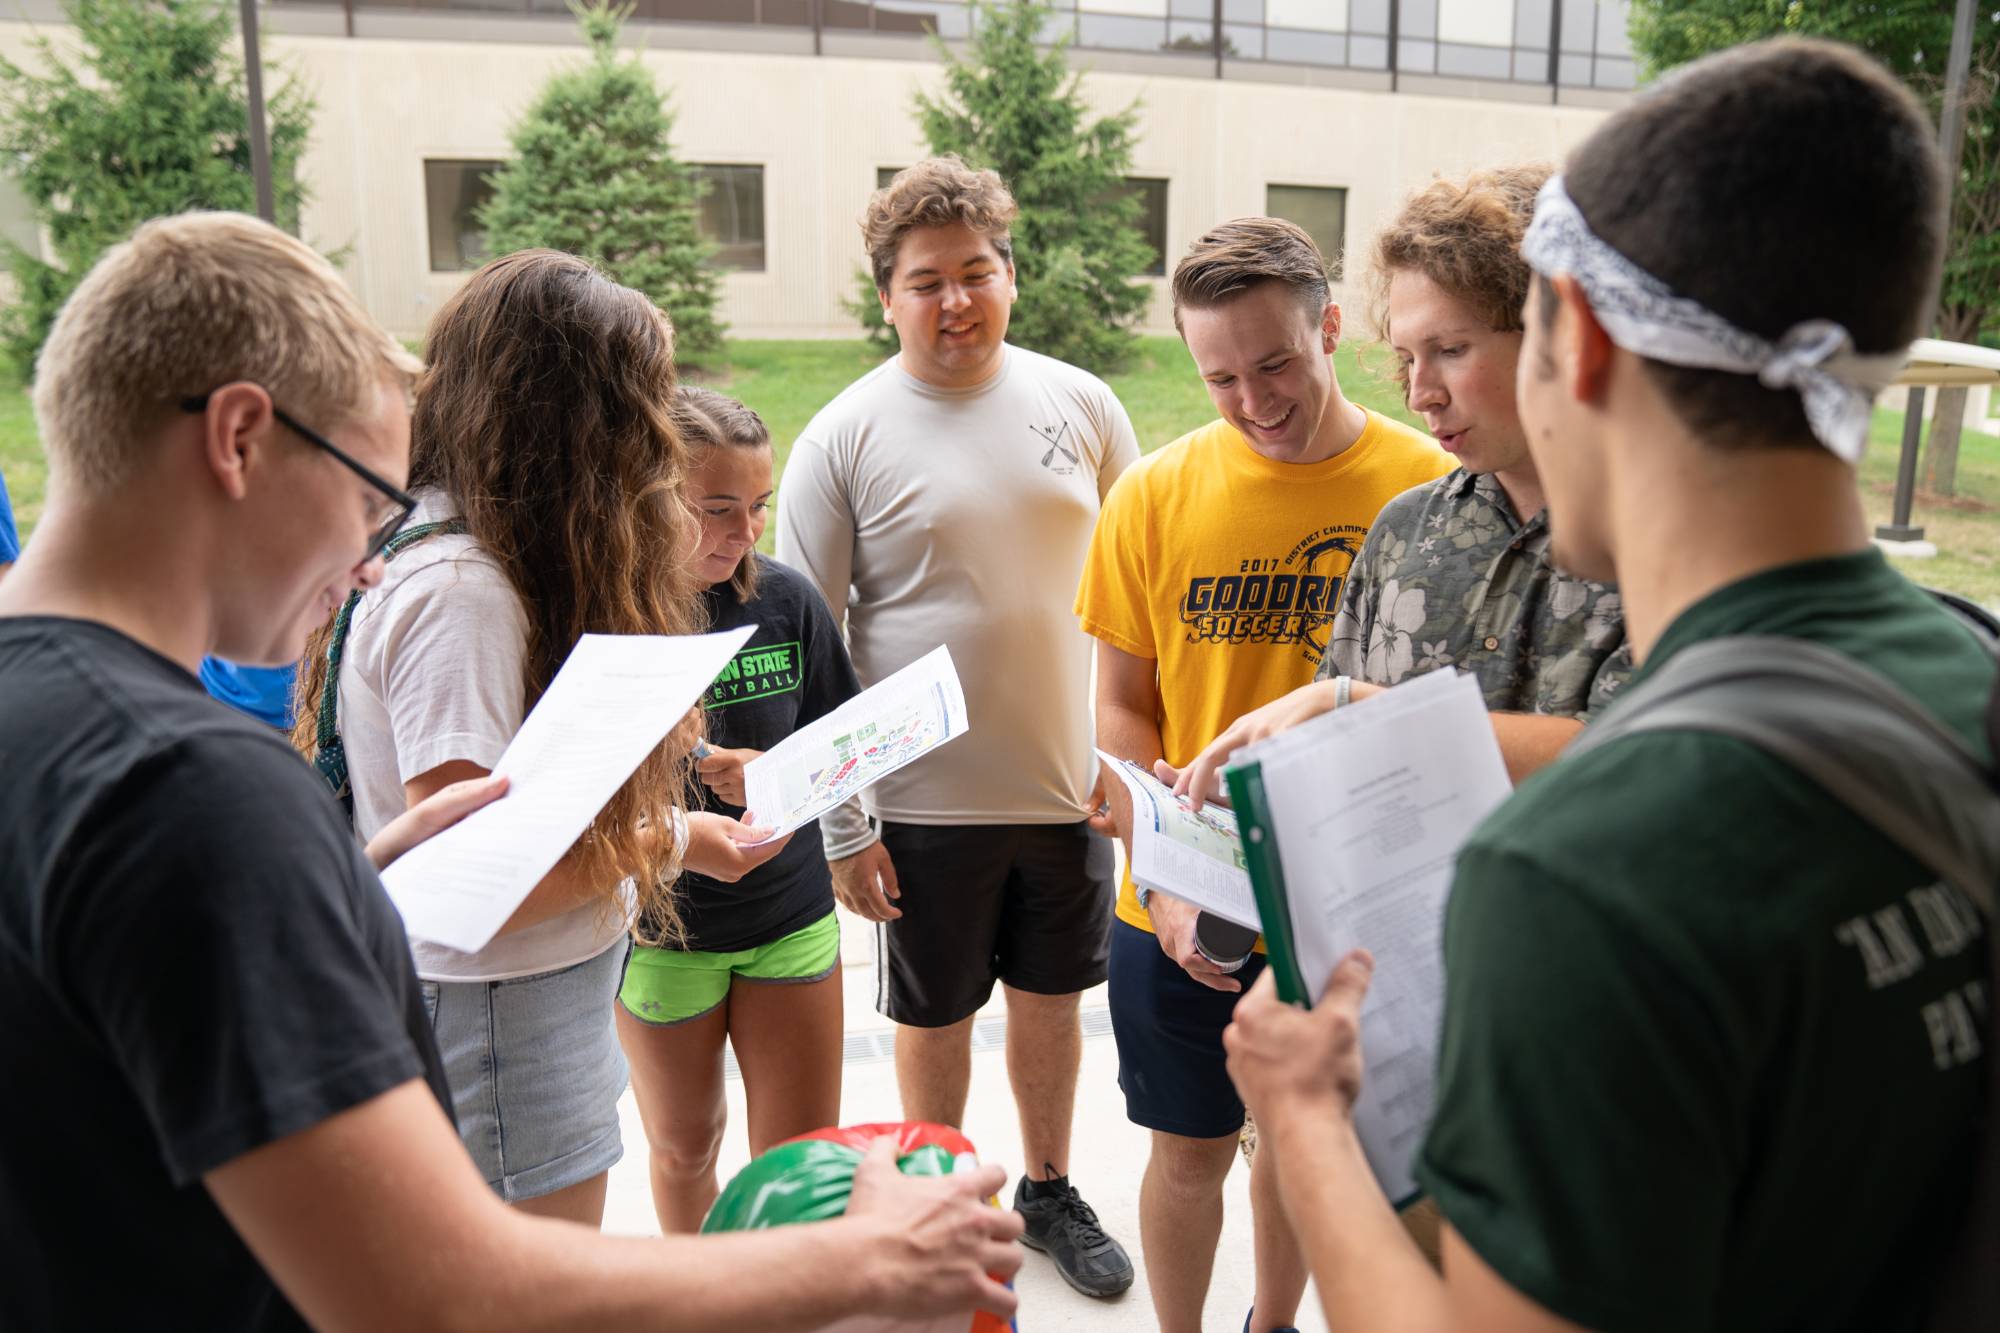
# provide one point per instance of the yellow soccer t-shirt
(1226, 568)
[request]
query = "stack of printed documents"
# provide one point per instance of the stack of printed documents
(1351, 825)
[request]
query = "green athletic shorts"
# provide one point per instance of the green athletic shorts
(667, 986)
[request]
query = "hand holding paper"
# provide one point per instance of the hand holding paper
(1194, 855)
(615, 699)
(823, 764)
(1352, 823)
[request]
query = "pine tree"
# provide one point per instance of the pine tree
(148, 118)
(594, 173)
(1013, 105)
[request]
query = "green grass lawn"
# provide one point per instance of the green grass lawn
(788, 381)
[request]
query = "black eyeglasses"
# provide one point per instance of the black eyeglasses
(402, 501)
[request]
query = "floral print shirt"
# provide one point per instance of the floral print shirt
(1449, 577)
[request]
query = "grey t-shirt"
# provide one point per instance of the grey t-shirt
(961, 517)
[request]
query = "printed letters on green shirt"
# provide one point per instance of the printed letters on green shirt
(768, 668)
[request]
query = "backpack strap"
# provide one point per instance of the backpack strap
(329, 754)
(1848, 728)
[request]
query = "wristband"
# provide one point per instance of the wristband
(680, 834)
(1343, 690)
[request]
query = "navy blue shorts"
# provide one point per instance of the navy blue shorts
(1169, 1031)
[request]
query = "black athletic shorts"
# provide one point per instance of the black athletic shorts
(1171, 1065)
(1027, 904)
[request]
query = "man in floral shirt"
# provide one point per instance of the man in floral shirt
(1456, 572)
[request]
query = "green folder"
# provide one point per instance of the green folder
(1267, 878)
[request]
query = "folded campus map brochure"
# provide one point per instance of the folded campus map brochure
(1194, 855)
(821, 765)
(1351, 824)
(615, 698)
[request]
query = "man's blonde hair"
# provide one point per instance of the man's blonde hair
(936, 192)
(1246, 253)
(188, 304)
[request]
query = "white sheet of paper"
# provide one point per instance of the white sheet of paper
(616, 697)
(1370, 805)
(1194, 855)
(821, 765)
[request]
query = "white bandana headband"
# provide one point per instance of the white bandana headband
(1641, 314)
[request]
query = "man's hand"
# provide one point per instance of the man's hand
(943, 1249)
(722, 770)
(720, 847)
(865, 882)
(432, 816)
(1173, 926)
(1101, 818)
(1201, 781)
(1300, 1066)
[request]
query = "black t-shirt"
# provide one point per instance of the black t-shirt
(195, 959)
(791, 671)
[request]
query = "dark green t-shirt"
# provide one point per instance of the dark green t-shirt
(1712, 1047)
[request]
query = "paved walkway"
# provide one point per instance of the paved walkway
(1107, 1159)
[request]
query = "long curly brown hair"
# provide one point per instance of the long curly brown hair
(545, 415)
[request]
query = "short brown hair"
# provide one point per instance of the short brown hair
(936, 192)
(1772, 183)
(708, 420)
(188, 304)
(1242, 254)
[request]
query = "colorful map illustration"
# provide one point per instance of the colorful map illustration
(829, 762)
(875, 749)
(1210, 830)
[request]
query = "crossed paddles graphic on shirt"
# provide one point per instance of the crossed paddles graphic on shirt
(1055, 435)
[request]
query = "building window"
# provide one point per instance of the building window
(1152, 194)
(732, 214)
(883, 175)
(454, 192)
(1321, 210)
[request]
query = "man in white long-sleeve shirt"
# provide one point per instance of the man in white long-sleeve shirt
(948, 496)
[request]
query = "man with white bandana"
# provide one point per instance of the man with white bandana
(1711, 1051)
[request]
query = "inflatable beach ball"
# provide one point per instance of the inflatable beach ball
(808, 1179)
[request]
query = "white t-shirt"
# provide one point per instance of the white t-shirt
(432, 673)
(930, 516)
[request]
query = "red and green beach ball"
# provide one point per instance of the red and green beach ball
(808, 1179)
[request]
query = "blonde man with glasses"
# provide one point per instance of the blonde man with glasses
(229, 1112)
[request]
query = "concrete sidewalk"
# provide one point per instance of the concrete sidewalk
(1107, 1158)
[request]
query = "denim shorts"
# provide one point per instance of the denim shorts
(535, 1072)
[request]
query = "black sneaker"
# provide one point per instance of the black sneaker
(1064, 1227)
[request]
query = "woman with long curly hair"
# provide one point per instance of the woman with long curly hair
(549, 476)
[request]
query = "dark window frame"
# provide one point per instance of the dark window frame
(1336, 258)
(465, 208)
(725, 245)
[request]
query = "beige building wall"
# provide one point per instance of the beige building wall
(821, 127)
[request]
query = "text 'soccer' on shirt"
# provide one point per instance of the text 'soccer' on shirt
(1287, 598)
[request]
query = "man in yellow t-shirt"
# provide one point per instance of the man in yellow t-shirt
(1210, 587)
